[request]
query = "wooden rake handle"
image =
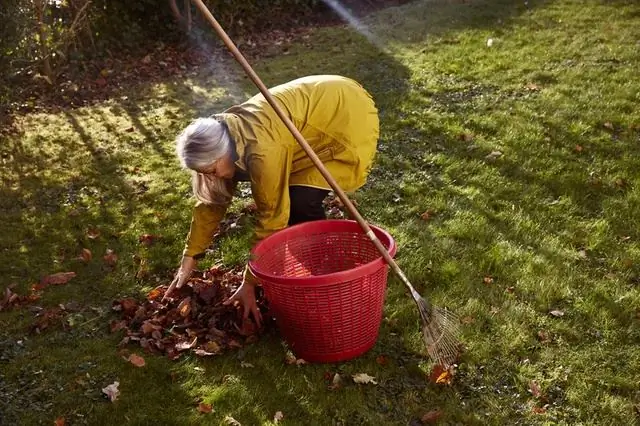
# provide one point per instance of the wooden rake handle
(301, 140)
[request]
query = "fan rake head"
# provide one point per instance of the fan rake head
(440, 330)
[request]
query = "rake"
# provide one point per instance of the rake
(439, 325)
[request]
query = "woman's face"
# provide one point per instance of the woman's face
(223, 168)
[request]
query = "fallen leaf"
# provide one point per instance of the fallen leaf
(85, 255)
(621, 183)
(466, 137)
(488, 280)
(116, 325)
(494, 155)
(136, 360)
(93, 233)
(428, 215)
(608, 125)
(60, 421)
(112, 391)
(510, 289)
(212, 347)
(155, 293)
(278, 416)
(183, 346)
(489, 42)
(110, 258)
(204, 408)
(431, 417)
(147, 239)
(467, 320)
(185, 307)
(363, 378)
(335, 383)
(534, 388)
(543, 336)
(494, 310)
(532, 86)
(579, 148)
(382, 360)
(291, 359)
(231, 421)
(557, 313)
(57, 279)
(539, 410)
(440, 375)
(146, 59)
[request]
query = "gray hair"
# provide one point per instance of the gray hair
(200, 144)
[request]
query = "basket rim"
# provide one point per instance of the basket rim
(327, 279)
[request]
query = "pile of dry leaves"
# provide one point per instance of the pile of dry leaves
(193, 318)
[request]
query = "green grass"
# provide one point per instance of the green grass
(554, 220)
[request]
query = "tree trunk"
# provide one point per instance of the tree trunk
(47, 69)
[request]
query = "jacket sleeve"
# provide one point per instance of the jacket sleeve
(270, 189)
(204, 223)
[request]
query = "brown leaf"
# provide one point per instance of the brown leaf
(110, 258)
(85, 255)
(183, 346)
(539, 410)
(155, 293)
(532, 86)
(534, 388)
(204, 408)
(335, 382)
(488, 280)
(620, 182)
(93, 233)
(136, 360)
(510, 289)
(468, 320)
(579, 148)
(466, 137)
(128, 306)
(60, 421)
(117, 325)
(608, 125)
(57, 279)
(428, 215)
(543, 336)
(440, 375)
(147, 239)
(185, 307)
(431, 417)
(382, 360)
(557, 313)
(278, 416)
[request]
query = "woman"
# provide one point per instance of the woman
(249, 142)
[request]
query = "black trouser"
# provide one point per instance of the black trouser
(306, 204)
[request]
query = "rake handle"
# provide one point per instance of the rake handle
(304, 144)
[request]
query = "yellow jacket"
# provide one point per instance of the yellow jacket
(335, 115)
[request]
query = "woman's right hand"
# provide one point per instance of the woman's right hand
(187, 266)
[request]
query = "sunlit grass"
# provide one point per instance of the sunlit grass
(548, 225)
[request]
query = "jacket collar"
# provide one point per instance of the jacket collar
(231, 122)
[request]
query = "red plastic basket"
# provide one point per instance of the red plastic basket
(325, 283)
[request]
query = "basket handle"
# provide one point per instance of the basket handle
(303, 143)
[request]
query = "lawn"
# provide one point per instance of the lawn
(524, 150)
